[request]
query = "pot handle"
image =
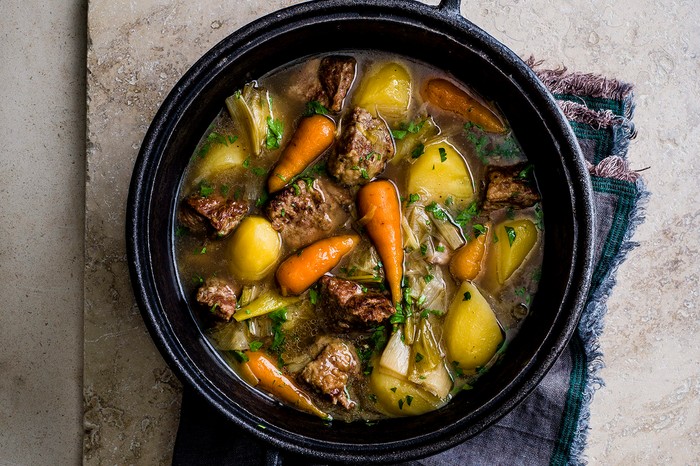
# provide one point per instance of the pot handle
(451, 7)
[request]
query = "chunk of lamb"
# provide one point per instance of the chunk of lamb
(363, 150)
(509, 187)
(330, 371)
(336, 74)
(219, 296)
(350, 306)
(214, 210)
(305, 212)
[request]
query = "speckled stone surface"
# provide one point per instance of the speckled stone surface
(649, 412)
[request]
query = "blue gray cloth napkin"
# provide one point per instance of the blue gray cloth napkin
(550, 426)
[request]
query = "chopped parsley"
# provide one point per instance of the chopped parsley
(479, 230)
(275, 129)
(526, 172)
(418, 151)
(465, 216)
(449, 201)
(205, 189)
(423, 249)
(401, 403)
(255, 345)
(409, 399)
(510, 231)
(262, 198)
(443, 154)
(436, 210)
(278, 318)
(313, 296)
(240, 356)
(428, 278)
(399, 134)
(467, 296)
(181, 231)
(224, 189)
(419, 357)
(363, 174)
(315, 108)
(413, 198)
(440, 248)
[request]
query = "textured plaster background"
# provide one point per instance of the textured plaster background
(649, 412)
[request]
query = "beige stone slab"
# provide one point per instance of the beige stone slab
(42, 120)
(648, 413)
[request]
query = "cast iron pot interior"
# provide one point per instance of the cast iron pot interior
(440, 37)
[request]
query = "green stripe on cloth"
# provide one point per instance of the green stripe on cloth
(574, 400)
(618, 107)
(627, 194)
(603, 138)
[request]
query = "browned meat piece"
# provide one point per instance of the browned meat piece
(219, 296)
(363, 150)
(304, 214)
(223, 214)
(330, 371)
(351, 306)
(509, 187)
(336, 74)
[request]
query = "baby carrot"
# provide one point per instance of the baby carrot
(313, 136)
(274, 381)
(379, 207)
(301, 270)
(466, 263)
(449, 97)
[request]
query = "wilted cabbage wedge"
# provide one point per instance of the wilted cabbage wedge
(250, 109)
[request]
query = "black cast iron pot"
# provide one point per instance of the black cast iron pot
(440, 37)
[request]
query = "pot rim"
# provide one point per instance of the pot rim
(207, 69)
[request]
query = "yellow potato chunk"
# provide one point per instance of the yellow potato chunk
(439, 173)
(472, 333)
(399, 397)
(386, 92)
(516, 238)
(254, 249)
(218, 159)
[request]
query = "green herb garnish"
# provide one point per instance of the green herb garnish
(275, 129)
(510, 231)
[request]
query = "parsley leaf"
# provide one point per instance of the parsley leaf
(436, 210)
(399, 134)
(443, 154)
(275, 129)
(205, 189)
(255, 345)
(315, 108)
(465, 216)
(467, 296)
(413, 198)
(418, 151)
(510, 231)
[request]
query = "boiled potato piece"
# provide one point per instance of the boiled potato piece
(254, 249)
(472, 333)
(512, 241)
(439, 173)
(218, 159)
(386, 92)
(399, 397)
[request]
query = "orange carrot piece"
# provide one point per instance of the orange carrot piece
(449, 97)
(301, 270)
(271, 379)
(379, 206)
(313, 136)
(466, 263)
